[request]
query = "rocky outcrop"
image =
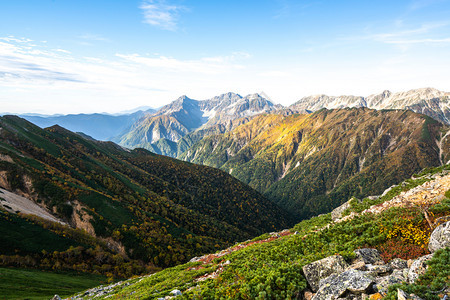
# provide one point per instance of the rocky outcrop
(338, 211)
(440, 237)
(367, 276)
(348, 282)
(369, 256)
(429, 193)
(321, 269)
(418, 267)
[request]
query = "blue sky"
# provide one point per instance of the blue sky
(61, 56)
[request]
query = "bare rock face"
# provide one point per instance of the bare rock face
(323, 268)
(418, 268)
(369, 256)
(338, 211)
(440, 237)
(351, 281)
(398, 263)
(397, 276)
(401, 295)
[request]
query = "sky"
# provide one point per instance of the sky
(62, 56)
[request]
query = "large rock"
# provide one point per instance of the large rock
(401, 295)
(418, 268)
(378, 269)
(175, 293)
(369, 256)
(323, 268)
(440, 238)
(398, 264)
(348, 282)
(397, 276)
(338, 211)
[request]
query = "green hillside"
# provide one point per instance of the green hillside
(138, 210)
(19, 284)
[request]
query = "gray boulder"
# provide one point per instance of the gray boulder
(440, 237)
(338, 211)
(348, 282)
(323, 268)
(418, 267)
(369, 256)
(378, 269)
(397, 276)
(401, 295)
(398, 264)
(175, 293)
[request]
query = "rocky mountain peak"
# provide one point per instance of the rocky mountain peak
(386, 94)
(429, 101)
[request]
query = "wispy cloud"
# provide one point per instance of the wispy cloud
(206, 65)
(418, 41)
(433, 33)
(419, 4)
(20, 60)
(424, 29)
(161, 14)
(35, 73)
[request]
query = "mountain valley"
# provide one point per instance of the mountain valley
(133, 210)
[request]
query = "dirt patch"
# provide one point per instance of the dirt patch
(81, 219)
(115, 246)
(4, 180)
(7, 158)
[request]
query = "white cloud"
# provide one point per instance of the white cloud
(206, 65)
(44, 79)
(161, 14)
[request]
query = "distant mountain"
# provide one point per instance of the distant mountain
(311, 163)
(427, 101)
(175, 120)
(144, 206)
(99, 126)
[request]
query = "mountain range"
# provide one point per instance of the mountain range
(173, 121)
(162, 131)
(174, 128)
(427, 101)
(99, 126)
(311, 163)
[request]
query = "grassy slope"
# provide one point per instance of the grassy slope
(37, 285)
(273, 269)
